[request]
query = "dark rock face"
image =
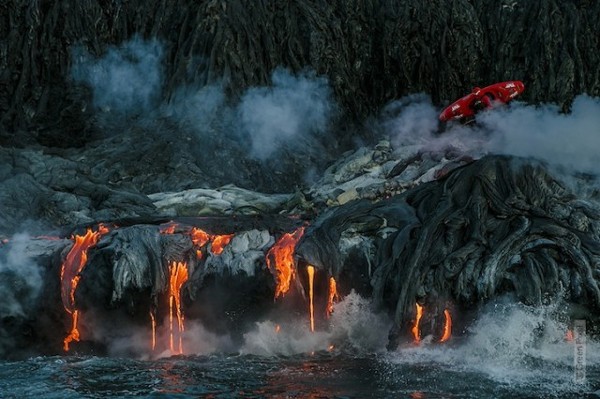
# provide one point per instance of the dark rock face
(371, 51)
(497, 226)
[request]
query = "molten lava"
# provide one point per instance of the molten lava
(416, 328)
(311, 275)
(219, 243)
(168, 228)
(70, 275)
(199, 237)
(280, 260)
(153, 321)
(333, 296)
(447, 326)
(74, 334)
(178, 275)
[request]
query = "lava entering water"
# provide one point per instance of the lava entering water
(70, 276)
(447, 326)
(416, 328)
(280, 260)
(153, 322)
(333, 296)
(178, 275)
(311, 275)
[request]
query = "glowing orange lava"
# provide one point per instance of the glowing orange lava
(153, 321)
(70, 275)
(74, 334)
(447, 326)
(280, 260)
(416, 329)
(168, 228)
(311, 275)
(178, 275)
(199, 237)
(333, 296)
(219, 243)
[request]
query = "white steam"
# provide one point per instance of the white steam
(127, 79)
(570, 140)
(292, 109)
(353, 326)
(510, 344)
(20, 279)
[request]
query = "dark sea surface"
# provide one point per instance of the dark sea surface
(512, 351)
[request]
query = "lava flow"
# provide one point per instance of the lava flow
(311, 275)
(153, 322)
(219, 243)
(416, 328)
(447, 326)
(280, 260)
(333, 296)
(70, 276)
(178, 275)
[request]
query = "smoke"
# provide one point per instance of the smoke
(126, 80)
(291, 110)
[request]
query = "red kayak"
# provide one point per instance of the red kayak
(465, 108)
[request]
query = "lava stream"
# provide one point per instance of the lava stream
(311, 275)
(70, 275)
(280, 260)
(447, 326)
(333, 296)
(416, 328)
(178, 276)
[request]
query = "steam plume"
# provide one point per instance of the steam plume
(291, 110)
(127, 79)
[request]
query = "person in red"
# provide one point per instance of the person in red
(480, 100)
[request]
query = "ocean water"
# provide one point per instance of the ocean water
(511, 351)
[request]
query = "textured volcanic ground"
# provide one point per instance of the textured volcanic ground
(180, 166)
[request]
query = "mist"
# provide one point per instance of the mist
(20, 286)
